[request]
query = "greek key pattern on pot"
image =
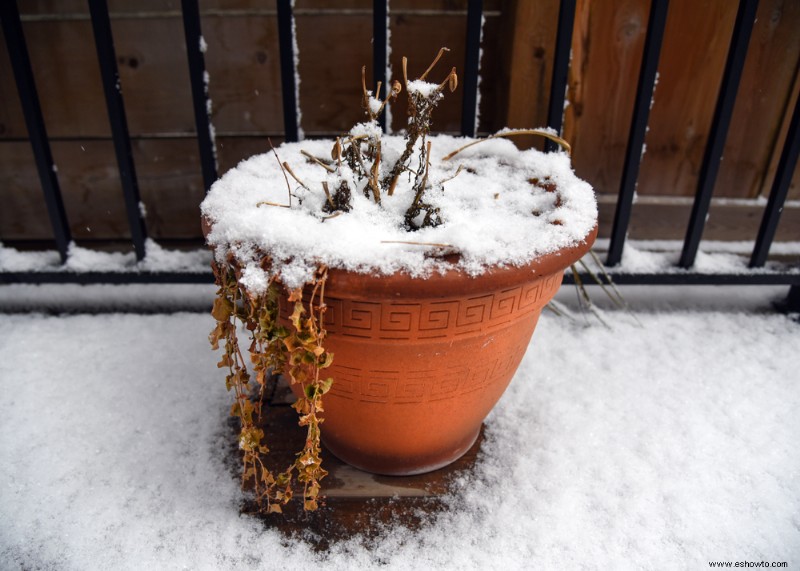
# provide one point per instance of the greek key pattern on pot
(409, 387)
(436, 319)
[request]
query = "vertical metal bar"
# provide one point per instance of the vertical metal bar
(780, 188)
(104, 43)
(558, 85)
(792, 302)
(202, 105)
(380, 35)
(734, 65)
(641, 113)
(471, 68)
(286, 46)
(26, 87)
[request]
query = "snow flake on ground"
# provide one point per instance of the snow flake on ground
(667, 445)
(157, 259)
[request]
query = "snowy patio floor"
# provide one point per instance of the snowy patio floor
(662, 446)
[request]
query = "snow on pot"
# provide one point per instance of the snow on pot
(400, 277)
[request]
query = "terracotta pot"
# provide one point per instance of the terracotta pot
(418, 364)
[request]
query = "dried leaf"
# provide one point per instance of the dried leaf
(325, 386)
(222, 309)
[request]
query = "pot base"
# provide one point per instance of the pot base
(391, 467)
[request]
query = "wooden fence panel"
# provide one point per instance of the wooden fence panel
(334, 42)
(607, 45)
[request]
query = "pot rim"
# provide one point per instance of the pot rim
(401, 284)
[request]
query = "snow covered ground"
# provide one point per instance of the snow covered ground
(665, 445)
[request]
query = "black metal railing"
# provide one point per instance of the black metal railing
(191, 17)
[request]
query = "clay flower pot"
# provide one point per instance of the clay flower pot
(425, 324)
(419, 363)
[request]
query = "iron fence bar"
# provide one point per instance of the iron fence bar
(198, 77)
(104, 43)
(472, 63)
(779, 191)
(380, 35)
(31, 109)
(558, 84)
(742, 30)
(286, 48)
(641, 113)
(792, 302)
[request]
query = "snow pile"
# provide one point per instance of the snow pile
(157, 259)
(662, 256)
(492, 212)
(666, 446)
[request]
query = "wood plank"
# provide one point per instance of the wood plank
(23, 214)
(665, 218)
(169, 177)
(607, 49)
(762, 102)
(780, 141)
(56, 8)
(67, 79)
(529, 30)
(688, 88)
(419, 38)
(330, 87)
(243, 65)
(242, 61)
(171, 188)
(686, 95)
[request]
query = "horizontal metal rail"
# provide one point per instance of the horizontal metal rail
(146, 277)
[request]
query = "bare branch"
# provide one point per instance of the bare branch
(327, 193)
(320, 162)
(546, 134)
(294, 176)
(283, 170)
(433, 63)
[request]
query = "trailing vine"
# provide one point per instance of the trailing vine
(295, 346)
(299, 350)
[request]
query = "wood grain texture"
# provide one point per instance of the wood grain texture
(529, 34)
(686, 96)
(764, 100)
(780, 141)
(665, 218)
(334, 40)
(608, 40)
